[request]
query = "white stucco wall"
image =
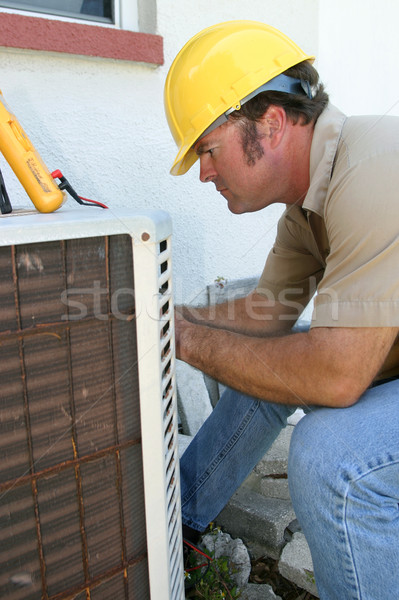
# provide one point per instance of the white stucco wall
(358, 54)
(102, 122)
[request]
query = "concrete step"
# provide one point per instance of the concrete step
(260, 522)
(261, 514)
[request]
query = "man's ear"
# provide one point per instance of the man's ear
(273, 124)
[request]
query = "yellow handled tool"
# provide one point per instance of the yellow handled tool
(26, 163)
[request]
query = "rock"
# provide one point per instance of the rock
(253, 591)
(296, 564)
(221, 544)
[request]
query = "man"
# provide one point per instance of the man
(246, 101)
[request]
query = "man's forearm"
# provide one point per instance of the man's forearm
(324, 367)
(238, 361)
(253, 315)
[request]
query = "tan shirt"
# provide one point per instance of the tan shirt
(344, 240)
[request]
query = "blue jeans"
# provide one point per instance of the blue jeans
(343, 476)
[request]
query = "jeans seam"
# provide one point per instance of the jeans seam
(345, 507)
(220, 456)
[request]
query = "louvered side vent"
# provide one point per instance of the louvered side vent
(163, 431)
(89, 480)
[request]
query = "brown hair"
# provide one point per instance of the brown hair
(298, 107)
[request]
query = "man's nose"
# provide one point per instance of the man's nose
(207, 170)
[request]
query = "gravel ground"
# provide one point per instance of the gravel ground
(265, 570)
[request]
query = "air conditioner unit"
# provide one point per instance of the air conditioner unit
(89, 474)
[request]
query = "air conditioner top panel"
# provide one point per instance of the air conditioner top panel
(24, 227)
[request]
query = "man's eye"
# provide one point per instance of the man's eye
(210, 151)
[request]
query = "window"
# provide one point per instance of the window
(123, 14)
(98, 10)
(100, 28)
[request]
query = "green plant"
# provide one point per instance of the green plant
(310, 576)
(212, 581)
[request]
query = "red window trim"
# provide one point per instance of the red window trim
(50, 35)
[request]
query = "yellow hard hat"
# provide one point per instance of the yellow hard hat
(215, 71)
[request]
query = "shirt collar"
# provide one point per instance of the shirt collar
(325, 140)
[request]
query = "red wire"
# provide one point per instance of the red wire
(93, 201)
(199, 552)
(58, 175)
(196, 568)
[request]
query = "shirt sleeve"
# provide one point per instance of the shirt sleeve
(360, 286)
(292, 270)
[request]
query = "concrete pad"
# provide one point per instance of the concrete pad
(275, 461)
(193, 401)
(270, 487)
(295, 417)
(182, 442)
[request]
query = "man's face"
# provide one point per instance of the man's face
(246, 179)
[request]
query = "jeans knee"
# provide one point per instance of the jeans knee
(305, 470)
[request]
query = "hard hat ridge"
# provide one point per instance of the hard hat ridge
(281, 83)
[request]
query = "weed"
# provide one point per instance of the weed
(210, 580)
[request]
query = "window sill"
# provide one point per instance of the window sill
(33, 33)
